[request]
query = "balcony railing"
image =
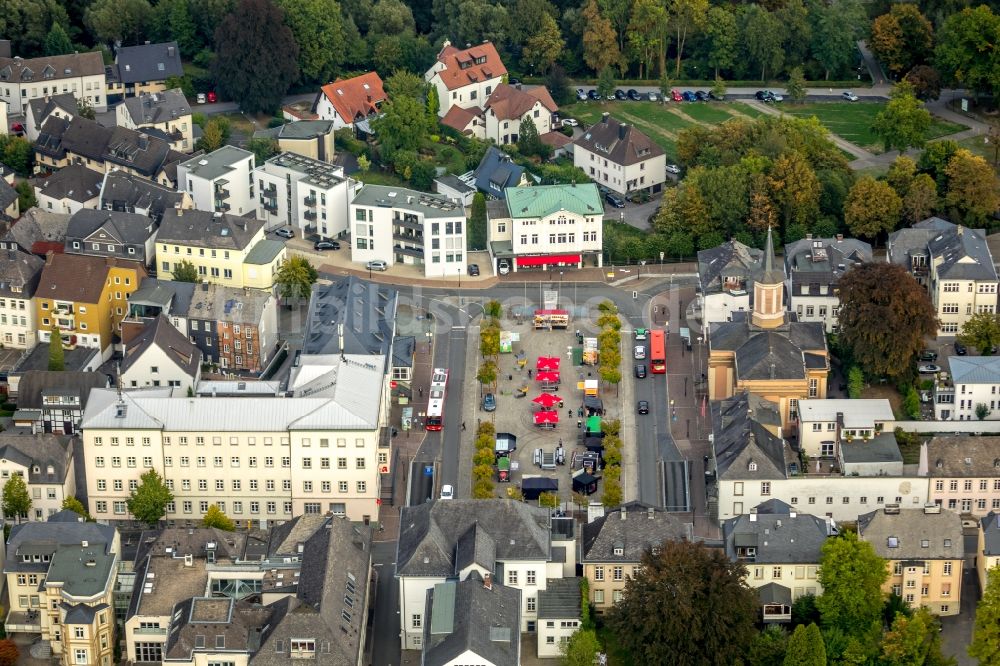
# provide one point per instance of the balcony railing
(310, 215)
(150, 631)
(270, 205)
(310, 201)
(221, 193)
(222, 206)
(409, 238)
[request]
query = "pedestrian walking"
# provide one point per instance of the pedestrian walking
(420, 391)
(463, 425)
(529, 373)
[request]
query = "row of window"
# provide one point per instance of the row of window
(946, 569)
(801, 572)
(200, 440)
(201, 252)
(966, 484)
(14, 321)
(15, 304)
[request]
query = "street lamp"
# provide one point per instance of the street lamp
(459, 277)
(661, 262)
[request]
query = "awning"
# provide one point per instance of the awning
(547, 362)
(547, 400)
(548, 377)
(546, 417)
(549, 259)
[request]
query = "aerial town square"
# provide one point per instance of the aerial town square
(499, 332)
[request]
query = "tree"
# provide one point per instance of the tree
(762, 34)
(796, 86)
(541, 49)
(985, 644)
(212, 137)
(548, 500)
(795, 188)
(686, 16)
(16, 500)
(600, 46)
(872, 208)
(680, 245)
(317, 27)
(57, 358)
(559, 85)
(855, 382)
(723, 34)
(768, 646)
(851, 574)
(18, 154)
(406, 84)
(901, 174)
(528, 141)
(805, 647)
(606, 82)
(295, 278)
(901, 38)
(216, 518)
(493, 309)
(972, 194)
(687, 605)
(982, 331)
(645, 33)
(119, 21)
(836, 26)
(76, 506)
(84, 109)
(256, 56)
(477, 223)
(914, 639)
(581, 648)
(402, 126)
(185, 271)
(966, 52)
(911, 403)
(982, 411)
(9, 652)
(57, 42)
(174, 20)
(904, 121)
(884, 317)
(148, 502)
(719, 88)
(487, 373)
(926, 82)
(25, 196)
(263, 148)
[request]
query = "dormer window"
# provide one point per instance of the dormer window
(752, 466)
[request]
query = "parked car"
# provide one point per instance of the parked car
(642, 407)
(17, 129)
(201, 98)
(689, 96)
(928, 355)
(633, 95)
(326, 245)
(570, 122)
(849, 96)
(581, 94)
(377, 265)
(928, 368)
(676, 95)
(718, 97)
(447, 492)
(701, 95)
(640, 371)
(760, 95)
(285, 232)
(673, 168)
(473, 270)
(503, 266)
(620, 95)
(614, 201)
(639, 353)
(592, 94)
(774, 97)
(514, 81)
(210, 95)
(652, 97)
(960, 349)
(489, 403)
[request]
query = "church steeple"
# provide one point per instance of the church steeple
(769, 291)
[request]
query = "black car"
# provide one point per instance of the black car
(718, 97)
(960, 349)
(326, 245)
(761, 95)
(640, 371)
(592, 94)
(642, 407)
(634, 95)
(928, 355)
(473, 270)
(614, 201)
(620, 94)
(514, 81)
(701, 95)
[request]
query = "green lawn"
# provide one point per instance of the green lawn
(379, 178)
(710, 112)
(747, 110)
(853, 120)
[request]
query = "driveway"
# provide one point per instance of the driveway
(636, 215)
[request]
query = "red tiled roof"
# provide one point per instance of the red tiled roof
(459, 119)
(555, 139)
(454, 76)
(510, 103)
(357, 97)
(78, 278)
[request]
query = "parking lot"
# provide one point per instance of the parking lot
(516, 415)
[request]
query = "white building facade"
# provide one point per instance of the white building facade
(305, 194)
(221, 182)
(824, 423)
(467, 77)
(81, 74)
(971, 388)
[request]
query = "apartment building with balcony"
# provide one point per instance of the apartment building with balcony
(308, 195)
(85, 298)
(954, 263)
(924, 553)
(781, 549)
(225, 249)
(20, 273)
(399, 225)
(813, 267)
(61, 577)
(824, 425)
(258, 458)
(963, 473)
(220, 182)
(969, 388)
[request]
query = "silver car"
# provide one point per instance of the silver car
(639, 353)
(377, 265)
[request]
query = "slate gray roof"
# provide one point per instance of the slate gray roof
(367, 311)
(125, 192)
(156, 108)
(47, 537)
(423, 203)
(774, 593)
(990, 525)
(769, 355)
(300, 129)
(496, 172)
(41, 107)
(82, 613)
(148, 62)
(454, 182)
(21, 271)
(55, 68)
(779, 533)
(208, 624)
(879, 449)
(175, 296)
(84, 571)
(731, 259)
(560, 599)
(902, 536)
(128, 228)
(217, 163)
(35, 226)
(740, 442)
(174, 344)
(641, 527)
(430, 533)
(201, 228)
(8, 194)
(618, 142)
(468, 616)
(822, 261)
(43, 450)
(957, 456)
(34, 383)
(285, 539)
(963, 252)
(38, 358)
(75, 182)
(975, 369)
(757, 350)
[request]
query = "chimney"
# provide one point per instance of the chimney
(624, 514)
(809, 236)
(840, 237)
(650, 513)
(488, 581)
(180, 211)
(622, 131)
(84, 544)
(170, 51)
(959, 229)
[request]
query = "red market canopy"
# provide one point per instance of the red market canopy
(542, 418)
(548, 377)
(547, 363)
(547, 400)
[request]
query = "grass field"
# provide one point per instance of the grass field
(852, 121)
